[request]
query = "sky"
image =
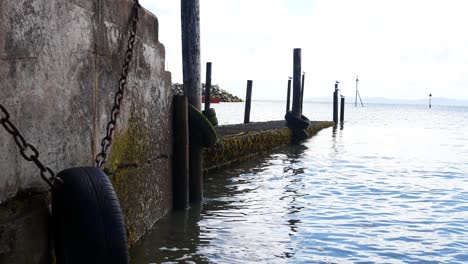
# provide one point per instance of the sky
(402, 49)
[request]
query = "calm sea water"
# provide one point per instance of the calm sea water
(390, 187)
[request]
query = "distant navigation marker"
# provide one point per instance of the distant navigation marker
(357, 94)
(430, 97)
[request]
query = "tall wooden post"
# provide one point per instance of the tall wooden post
(180, 167)
(248, 101)
(190, 14)
(208, 86)
(190, 22)
(335, 104)
(296, 104)
(342, 109)
(288, 97)
(430, 100)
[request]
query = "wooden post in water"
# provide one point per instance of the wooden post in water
(248, 101)
(430, 100)
(190, 22)
(302, 91)
(208, 86)
(180, 166)
(190, 14)
(296, 103)
(335, 104)
(342, 109)
(288, 97)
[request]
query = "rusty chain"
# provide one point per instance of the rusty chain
(106, 142)
(30, 153)
(27, 150)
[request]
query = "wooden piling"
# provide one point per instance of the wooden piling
(180, 166)
(296, 104)
(342, 109)
(190, 22)
(248, 101)
(288, 97)
(208, 86)
(195, 172)
(190, 15)
(302, 92)
(335, 104)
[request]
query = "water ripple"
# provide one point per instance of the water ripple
(392, 187)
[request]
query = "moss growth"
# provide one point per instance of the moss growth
(240, 147)
(129, 150)
(139, 172)
(128, 147)
(237, 148)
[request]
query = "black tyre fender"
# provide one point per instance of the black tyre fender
(201, 127)
(210, 114)
(87, 222)
(299, 123)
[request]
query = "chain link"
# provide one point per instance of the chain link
(27, 150)
(30, 153)
(106, 142)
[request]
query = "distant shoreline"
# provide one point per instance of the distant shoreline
(384, 101)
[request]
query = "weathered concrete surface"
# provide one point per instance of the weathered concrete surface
(24, 230)
(240, 142)
(59, 66)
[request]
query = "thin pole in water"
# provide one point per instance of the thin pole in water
(302, 92)
(288, 97)
(335, 103)
(208, 86)
(430, 100)
(248, 101)
(342, 109)
(296, 102)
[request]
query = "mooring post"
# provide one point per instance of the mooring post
(342, 109)
(296, 104)
(288, 97)
(430, 100)
(208, 86)
(335, 104)
(302, 92)
(190, 22)
(180, 166)
(248, 101)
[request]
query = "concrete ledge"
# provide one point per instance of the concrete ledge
(241, 142)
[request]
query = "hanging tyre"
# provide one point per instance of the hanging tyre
(294, 122)
(199, 125)
(87, 220)
(210, 114)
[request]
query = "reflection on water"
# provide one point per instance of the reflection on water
(391, 187)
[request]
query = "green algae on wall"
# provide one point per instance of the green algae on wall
(140, 176)
(236, 148)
